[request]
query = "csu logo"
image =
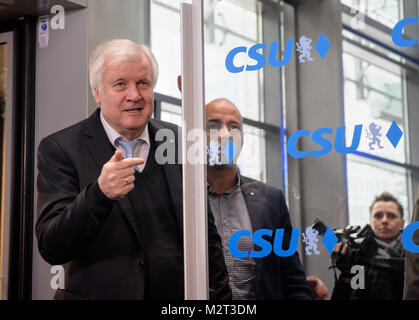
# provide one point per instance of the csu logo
(324, 142)
(265, 244)
(396, 34)
(259, 57)
(323, 138)
(269, 241)
(303, 47)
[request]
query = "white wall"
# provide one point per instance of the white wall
(61, 100)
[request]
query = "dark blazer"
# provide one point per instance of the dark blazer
(411, 269)
(277, 277)
(99, 243)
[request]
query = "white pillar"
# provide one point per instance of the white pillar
(194, 174)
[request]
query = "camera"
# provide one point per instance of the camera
(361, 245)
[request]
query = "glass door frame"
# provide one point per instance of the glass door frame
(6, 38)
(20, 187)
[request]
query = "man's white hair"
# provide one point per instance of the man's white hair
(120, 50)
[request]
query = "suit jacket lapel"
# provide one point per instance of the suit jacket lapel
(100, 148)
(255, 197)
(173, 173)
(97, 141)
(255, 201)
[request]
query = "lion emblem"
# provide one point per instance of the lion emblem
(304, 47)
(373, 136)
(310, 239)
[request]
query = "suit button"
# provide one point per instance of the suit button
(141, 263)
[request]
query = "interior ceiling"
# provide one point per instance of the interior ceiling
(12, 9)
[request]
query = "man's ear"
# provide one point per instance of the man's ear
(402, 226)
(96, 96)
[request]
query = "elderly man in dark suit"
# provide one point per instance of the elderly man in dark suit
(241, 203)
(107, 209)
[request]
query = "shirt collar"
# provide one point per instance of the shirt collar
(113, 134)
(237, 185)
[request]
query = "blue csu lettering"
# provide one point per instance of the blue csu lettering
(264, 244)
(396, 34)
(259, 58)
(325, 144)
(277, 247)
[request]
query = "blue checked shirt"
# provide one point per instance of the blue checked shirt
(231, 215)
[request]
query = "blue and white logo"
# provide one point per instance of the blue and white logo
(303, 47)
(323, 138)
(310, 238)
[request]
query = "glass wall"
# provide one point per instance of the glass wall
(375, 96)
(228, 24)
(374, 91)
(165, 43)
(387, 12)
(358, 80)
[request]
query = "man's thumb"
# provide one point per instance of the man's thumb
(117, 156)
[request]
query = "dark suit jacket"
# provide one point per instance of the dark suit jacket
(99, 243)
(277, 277)
(411, 274)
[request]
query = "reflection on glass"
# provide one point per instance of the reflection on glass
(373, 95)
(368, 178)
(387, 12)
(251, 161)
(369, 44)
(171, 113)
(165, 44)
(3, 73)
(228, 24)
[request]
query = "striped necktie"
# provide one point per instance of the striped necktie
(129, 147)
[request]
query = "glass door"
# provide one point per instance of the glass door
(6, 102)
